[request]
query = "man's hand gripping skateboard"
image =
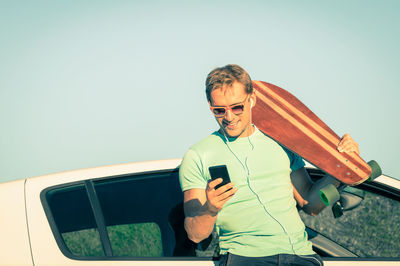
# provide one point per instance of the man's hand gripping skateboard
(346, 145)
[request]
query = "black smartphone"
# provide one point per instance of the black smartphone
(219, 171)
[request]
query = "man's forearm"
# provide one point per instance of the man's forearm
(306, 190)
(202, 206)
(199, 227)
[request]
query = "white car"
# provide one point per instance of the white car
(131, 214)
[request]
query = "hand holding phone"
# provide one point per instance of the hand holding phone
(219, 171)
(217, 199)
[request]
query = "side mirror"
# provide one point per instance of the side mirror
(348, 201)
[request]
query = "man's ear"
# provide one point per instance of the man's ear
(253, 100)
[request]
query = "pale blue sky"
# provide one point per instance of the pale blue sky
(91, 83)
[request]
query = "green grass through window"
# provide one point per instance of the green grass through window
(128, 240)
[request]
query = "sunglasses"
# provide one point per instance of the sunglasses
(220, 111)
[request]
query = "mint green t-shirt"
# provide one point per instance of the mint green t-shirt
(261, 219)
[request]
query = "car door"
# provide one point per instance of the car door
(132, 215)
(118, 215)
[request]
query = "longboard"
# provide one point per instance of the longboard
(283, 117)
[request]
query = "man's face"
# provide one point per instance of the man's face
(233, 125)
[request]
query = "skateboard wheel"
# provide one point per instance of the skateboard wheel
(329, 194)
(376, 170)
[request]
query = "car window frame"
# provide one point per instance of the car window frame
(372, 186)
(97, 212)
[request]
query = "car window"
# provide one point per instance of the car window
(83, 242)
(128, 240)
(73, 216)
(136, 212)
(139, 215)
(136, 240)
(369, 230)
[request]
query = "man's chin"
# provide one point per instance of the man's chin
(231, 133)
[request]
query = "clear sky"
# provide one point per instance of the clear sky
(91, 83)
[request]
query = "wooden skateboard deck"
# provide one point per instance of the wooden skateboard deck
(283, 117)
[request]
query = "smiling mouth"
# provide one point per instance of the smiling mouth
(230, 125)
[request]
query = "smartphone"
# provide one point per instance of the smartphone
(219, 171)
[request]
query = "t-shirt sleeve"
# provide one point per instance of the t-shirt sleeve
(191, 172)
(296, 162)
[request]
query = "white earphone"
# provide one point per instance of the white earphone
(251, 103)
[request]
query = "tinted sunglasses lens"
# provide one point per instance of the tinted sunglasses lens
(237, 109)
(219, 111)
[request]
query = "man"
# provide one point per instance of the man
(255, 215)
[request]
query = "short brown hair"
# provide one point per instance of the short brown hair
(226, 76)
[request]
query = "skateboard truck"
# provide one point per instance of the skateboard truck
(330, 195)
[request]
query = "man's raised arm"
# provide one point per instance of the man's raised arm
(306, 191)
(201, 208)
